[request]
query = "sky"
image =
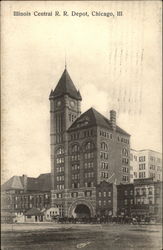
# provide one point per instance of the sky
(115, 62)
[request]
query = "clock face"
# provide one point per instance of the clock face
(58, 103)
(72, 103)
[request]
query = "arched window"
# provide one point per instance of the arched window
(124, 152)
(104, 146)
(89, 146)
(60, 155)
(60, 151)
(75, 148)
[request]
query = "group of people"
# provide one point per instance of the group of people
(102, 219)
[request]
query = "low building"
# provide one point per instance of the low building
(33, 215)
(106, 199)
(51, 213)
(147, 198)
(21, 193)
(125, 199)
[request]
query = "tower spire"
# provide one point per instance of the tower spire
(65, 61)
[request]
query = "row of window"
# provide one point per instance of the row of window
(75, 176)
(86, 184)
(88, 165)
(75, 157)
(104, 194)
(122, 139)
(110, 136)
(106, 134)
(127, 192)
(89, 175)
(127, 202)
(87, 194)
(144, 191)
(142, 158)
(60, 186)
(144, 201)
(85, 134)
(88, 156)
(105, 202)
(26, 198)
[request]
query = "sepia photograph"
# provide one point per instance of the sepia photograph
(81, 123)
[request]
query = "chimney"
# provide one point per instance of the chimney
(25, 182)
(113, 119)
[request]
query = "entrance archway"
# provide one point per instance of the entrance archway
(82, 211)
(81, 208)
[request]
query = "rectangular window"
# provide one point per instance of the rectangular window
(126, 193)
(141, 158)
(125, 201)
(150, 201)
(104, 194)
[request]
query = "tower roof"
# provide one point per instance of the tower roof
(66, 86)
(93, 118)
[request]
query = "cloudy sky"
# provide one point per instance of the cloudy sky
(114, 61)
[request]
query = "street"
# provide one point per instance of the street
(75, 236)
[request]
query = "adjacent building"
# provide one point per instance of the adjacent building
(106, 199)
(147, 198)
(125, 199)
(141, 199)
(145, 164)
(21, 193)
(86, 149)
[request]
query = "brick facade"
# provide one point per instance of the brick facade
(86, 149)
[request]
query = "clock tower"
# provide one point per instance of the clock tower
(64, 110)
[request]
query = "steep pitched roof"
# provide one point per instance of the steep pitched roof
(13, 183)
(41, 183)
(65, 86)
(93, 118)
